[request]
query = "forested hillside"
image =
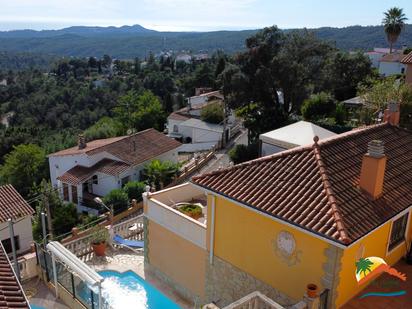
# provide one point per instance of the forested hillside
(130, 41)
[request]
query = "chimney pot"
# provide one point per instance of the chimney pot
(81, 141)
(392, 114)
(373, 169)
(376, 149)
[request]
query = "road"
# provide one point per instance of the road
(222, 158)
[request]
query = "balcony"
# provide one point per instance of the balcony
(166, 209)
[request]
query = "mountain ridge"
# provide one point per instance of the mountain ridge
(127, 42)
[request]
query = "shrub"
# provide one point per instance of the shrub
(160, 173)
(318, 106)
(100, 235)
(243, 153)
(118, 199)
(192, 210)
(213, 113)
(134, 190)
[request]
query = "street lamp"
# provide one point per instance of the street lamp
(99, 201)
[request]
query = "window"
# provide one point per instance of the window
(398, 231)
(125, 180)
(95, 180)
(65, 192)
(74, 195)
(7, 244)
(175, 128)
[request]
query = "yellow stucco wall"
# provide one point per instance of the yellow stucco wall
(375, 244)
(246, 239)
(181, 260)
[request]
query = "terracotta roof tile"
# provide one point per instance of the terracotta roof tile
(407, 59)
(132, 149)
(12, 204)
(11, 293)
(80, 174)
(316, 187)
(179, 116)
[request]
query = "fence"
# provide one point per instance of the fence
(188, 170)
(67, 281)
(130, 228)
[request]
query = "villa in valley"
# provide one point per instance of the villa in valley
(93, 169)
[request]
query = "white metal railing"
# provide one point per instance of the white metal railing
(132, 227)
(255, 300)
(176, 222)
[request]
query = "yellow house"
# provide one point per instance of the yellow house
(279, 223)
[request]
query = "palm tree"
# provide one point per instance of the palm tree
(363, 266)
(393, 23)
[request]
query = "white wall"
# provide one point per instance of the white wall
(105, 184)
(204, 136)
(22, 229)
(391, 68)
(268, 149)
(171, 123)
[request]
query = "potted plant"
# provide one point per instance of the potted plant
(99, 240)
(192, 210)
(312, 290)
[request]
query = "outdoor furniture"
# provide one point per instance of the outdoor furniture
(128, 243)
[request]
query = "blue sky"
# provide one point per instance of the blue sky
(194, 15)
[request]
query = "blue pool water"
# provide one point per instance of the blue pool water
(127, 290)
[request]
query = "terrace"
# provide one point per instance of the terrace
(182, 210)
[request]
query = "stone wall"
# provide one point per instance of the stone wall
(332, 267)
(226, 283)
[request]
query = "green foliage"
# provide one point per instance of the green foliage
(118, 199)
(340, 114)
(64, 218)
(99, 235)
(140, 111)
(160, 173)
(104, 128)
(134, 190)
(379, 93)
(318, 106)
(213, 113)
(24, 167)
(243, 153)
(191, 210)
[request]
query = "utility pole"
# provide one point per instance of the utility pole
(13, 249)
(47, 209)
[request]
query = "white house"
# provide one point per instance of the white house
(14, 207)
(186, 124)
(93, 169)
(390, 64)
(294, 135)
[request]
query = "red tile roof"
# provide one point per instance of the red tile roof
(394, 57)
(132, 149)
(80, 174)
(12, 204)
(316, 187)
(407, 59)
(179, 115)
(11, 293)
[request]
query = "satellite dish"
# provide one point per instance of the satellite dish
(129, 131)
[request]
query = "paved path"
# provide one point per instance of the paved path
(222, 157)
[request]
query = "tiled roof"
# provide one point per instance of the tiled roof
(407, 59)
(394, 57)
(132, 149)
(11, 293)
(12, 204)
(80, 174)
(179, 115)
(316, 187)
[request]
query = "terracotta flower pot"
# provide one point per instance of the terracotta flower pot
(99, 249)
(312, 290)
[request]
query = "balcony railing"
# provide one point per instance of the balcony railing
(130, 228)
(255, 300)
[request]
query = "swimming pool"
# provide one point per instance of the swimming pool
(123, 290)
